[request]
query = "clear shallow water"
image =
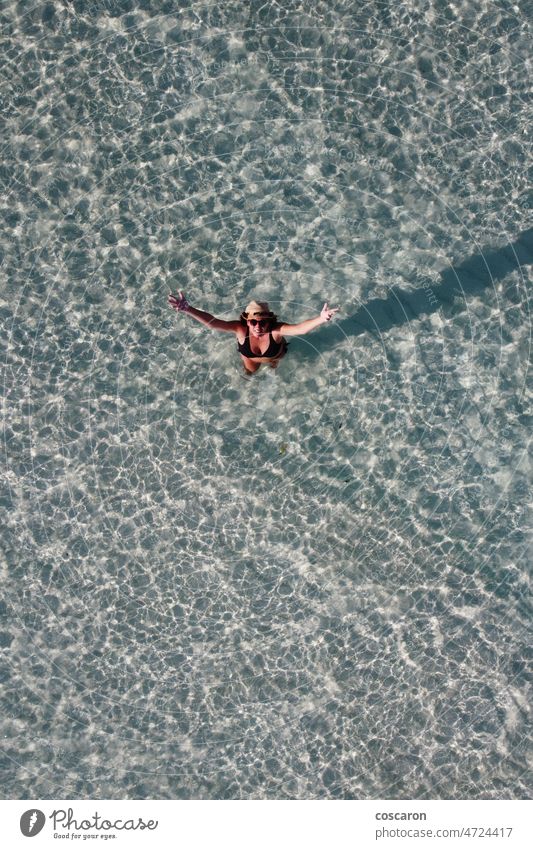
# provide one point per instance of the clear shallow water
(312, 583)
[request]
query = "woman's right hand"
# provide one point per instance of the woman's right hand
(178, 302)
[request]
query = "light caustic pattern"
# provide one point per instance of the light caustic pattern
(309, 583)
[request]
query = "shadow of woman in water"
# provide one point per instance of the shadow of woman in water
(476, 273)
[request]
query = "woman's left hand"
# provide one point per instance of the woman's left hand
(179, 302)
(327, 313)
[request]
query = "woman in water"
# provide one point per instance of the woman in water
(258, 331)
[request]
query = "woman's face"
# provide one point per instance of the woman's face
(258, 327)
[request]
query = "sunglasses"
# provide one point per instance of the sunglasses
(254, 321)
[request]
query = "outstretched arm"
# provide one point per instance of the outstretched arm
(306, 326)
(181, 304)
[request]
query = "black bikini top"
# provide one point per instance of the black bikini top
(273, 349)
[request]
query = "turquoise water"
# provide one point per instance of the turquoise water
(311, 583)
